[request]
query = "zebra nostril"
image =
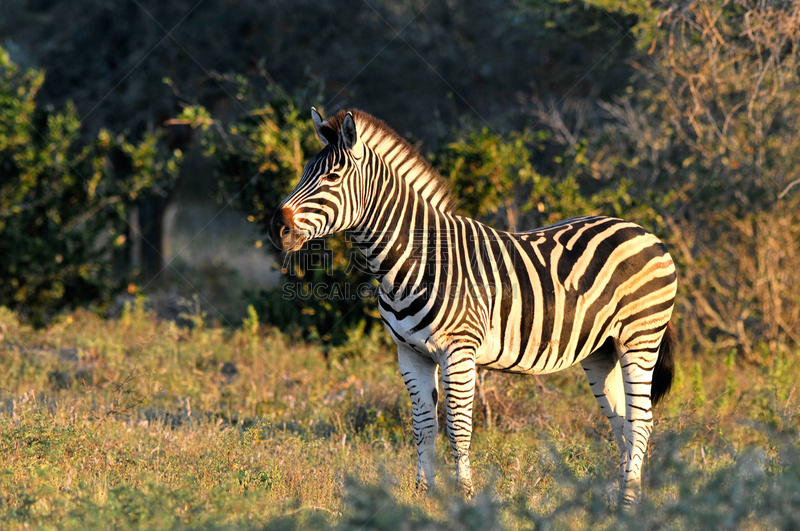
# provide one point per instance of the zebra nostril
(285, 231)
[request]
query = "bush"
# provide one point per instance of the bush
(64, 204)
(493, 179)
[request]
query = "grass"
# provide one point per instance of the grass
(137, 423)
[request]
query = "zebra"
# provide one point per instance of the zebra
(456, 295)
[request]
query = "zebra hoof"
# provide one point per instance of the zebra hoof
(627, 502)
(422, 487)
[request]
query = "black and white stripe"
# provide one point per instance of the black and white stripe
(456, 294)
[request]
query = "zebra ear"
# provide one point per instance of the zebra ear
(348, 130)
(317, 119)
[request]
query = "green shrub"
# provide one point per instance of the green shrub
(494, 179)
(64, 204)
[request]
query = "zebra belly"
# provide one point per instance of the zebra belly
(522, 369)
(550, 361)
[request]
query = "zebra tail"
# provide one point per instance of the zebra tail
(664, 371)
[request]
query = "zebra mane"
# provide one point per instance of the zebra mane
(411, 166)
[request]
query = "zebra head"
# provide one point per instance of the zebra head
(330, 196)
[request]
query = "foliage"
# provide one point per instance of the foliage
(680, 116)
(589, 44)
(488, 174)
(741, 106)
(494, 180)
(452, 57)
(260, 154)
(64, 203)
(731, 109)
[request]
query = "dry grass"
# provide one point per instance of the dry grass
(135, 422)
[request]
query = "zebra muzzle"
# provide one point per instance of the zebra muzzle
(283, 233)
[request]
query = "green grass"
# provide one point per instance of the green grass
(136, 423)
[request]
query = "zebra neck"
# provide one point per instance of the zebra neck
(395, 237)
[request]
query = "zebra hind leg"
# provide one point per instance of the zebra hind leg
(637, 374)
(602, 368)
(420, 376)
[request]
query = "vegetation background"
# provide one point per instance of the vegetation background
(155, 367)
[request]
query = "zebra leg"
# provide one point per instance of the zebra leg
(637, 375)
(602, 368)
(458, 376)
(420, 376)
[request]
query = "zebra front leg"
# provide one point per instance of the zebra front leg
(420, 376)
(458, 376)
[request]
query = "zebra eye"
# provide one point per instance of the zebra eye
(333, 177)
